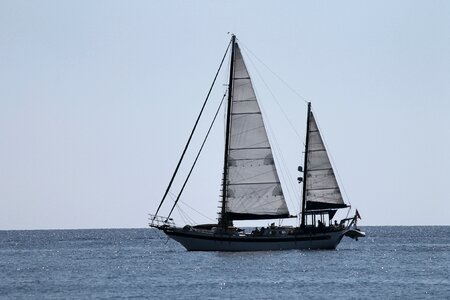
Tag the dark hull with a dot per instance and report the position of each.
(209, 241)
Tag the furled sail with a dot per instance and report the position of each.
(253, 187)
(322, 189)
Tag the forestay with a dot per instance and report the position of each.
(253, 187)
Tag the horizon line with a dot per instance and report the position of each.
(121, 228)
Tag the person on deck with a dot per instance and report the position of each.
(320, 224)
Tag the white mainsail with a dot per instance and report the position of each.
(253, 187)
(322, 189)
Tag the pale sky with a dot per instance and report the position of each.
(97, 99)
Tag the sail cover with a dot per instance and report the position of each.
(253, 186)
(322, 189)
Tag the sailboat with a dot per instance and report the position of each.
(251, 187)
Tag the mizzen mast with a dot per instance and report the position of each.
(305, 168)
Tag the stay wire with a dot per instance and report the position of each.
(196, 158)
(183, 216)
(180, 213)
(304, 99)
(275, 74)
(334, 164)
(192, 133)
(285, 174)
(290, 186)
(283, 166)
(270, 91)
(205, 216)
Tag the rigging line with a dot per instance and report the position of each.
(287, 178)
(180, 212)
(185, 216)
(242, 201)
(190, 220)
(283, 163)
(290, 184)
(172, 196)
(278, 154)
(333, 163)
(275, 98)
(258, 206)
(198, 154)
(184, 203)
(283, 167)
(275, 74)
(192, 133)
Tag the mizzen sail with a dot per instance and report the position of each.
(253, 189)
(322, 189)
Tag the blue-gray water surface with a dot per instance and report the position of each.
(391, 262)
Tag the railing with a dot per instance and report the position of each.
(160, 221)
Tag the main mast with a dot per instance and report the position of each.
(305, 167)
(223, 221)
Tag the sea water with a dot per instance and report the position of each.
(391, 262)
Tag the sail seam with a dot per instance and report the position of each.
(325, 169)
(254, 148)
(246, 113)
(317, 150)
(250, 159)
(261, 206)
(254, 183)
